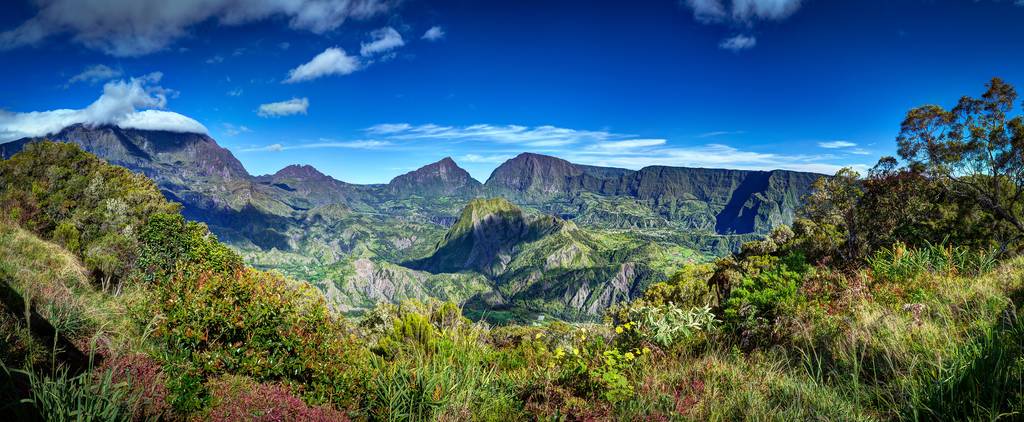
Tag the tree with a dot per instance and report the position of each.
(977, 148)
(829, 216)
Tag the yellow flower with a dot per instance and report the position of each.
(575, 351)
(629, 356)
(618, 330)
(646, 350)
(538, 336)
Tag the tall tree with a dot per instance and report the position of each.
(977, 147)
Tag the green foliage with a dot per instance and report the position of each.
(900, 264)
(411, 330)
(768, 289)
(65, 194)
(255, 324)
(665, 325)
(168, 241)
(88, 396)
(983, 380)
(977, 149)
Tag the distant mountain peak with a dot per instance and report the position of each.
(300, 172)
(443, 177)
(486, 236)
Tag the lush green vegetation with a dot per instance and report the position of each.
(894, 296)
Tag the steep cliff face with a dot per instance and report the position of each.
(443, 178)
(710, 200)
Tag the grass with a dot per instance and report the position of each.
(921, 334)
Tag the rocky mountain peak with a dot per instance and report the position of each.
(300, 172)
(443, 177)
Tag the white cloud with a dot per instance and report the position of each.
(215, 59)
(94, 74)
(333, 61)
(836, 144)
(237, 92)
(284, 108)
(720, 133)
(738, 43)
(490, 158)
(232, 130)
(132, 104)
(740, 13)
(388, 128)
(704, 156)
(383, 39)
(538, 136)
(496, 143)
(435, 33)
(322, 143)
(719, 11)
(618, 146)
(129, 28)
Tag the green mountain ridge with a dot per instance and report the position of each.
(559, 237)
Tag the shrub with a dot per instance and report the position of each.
(237, 398)
(769, 287)
(167, 241)
(147, 383)
(665, 325)
(255, 324)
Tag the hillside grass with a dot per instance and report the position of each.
(940, 342)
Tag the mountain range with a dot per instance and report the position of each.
(541, 236)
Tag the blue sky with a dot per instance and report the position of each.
(360, 90)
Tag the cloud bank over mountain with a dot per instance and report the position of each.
(137, 103)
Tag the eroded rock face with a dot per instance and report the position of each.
(714, 200)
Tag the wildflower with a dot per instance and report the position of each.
(629, 356)
(538, 336)
(618, 330)
(647, 350)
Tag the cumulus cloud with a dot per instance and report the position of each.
(836, 144)
(94, 74)
(382, 40)
(436, 33)
(738, 43)
(333, 61)
(132, 104)
(740, 13)
(128, 28)
(284, 108)
(719, 11)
